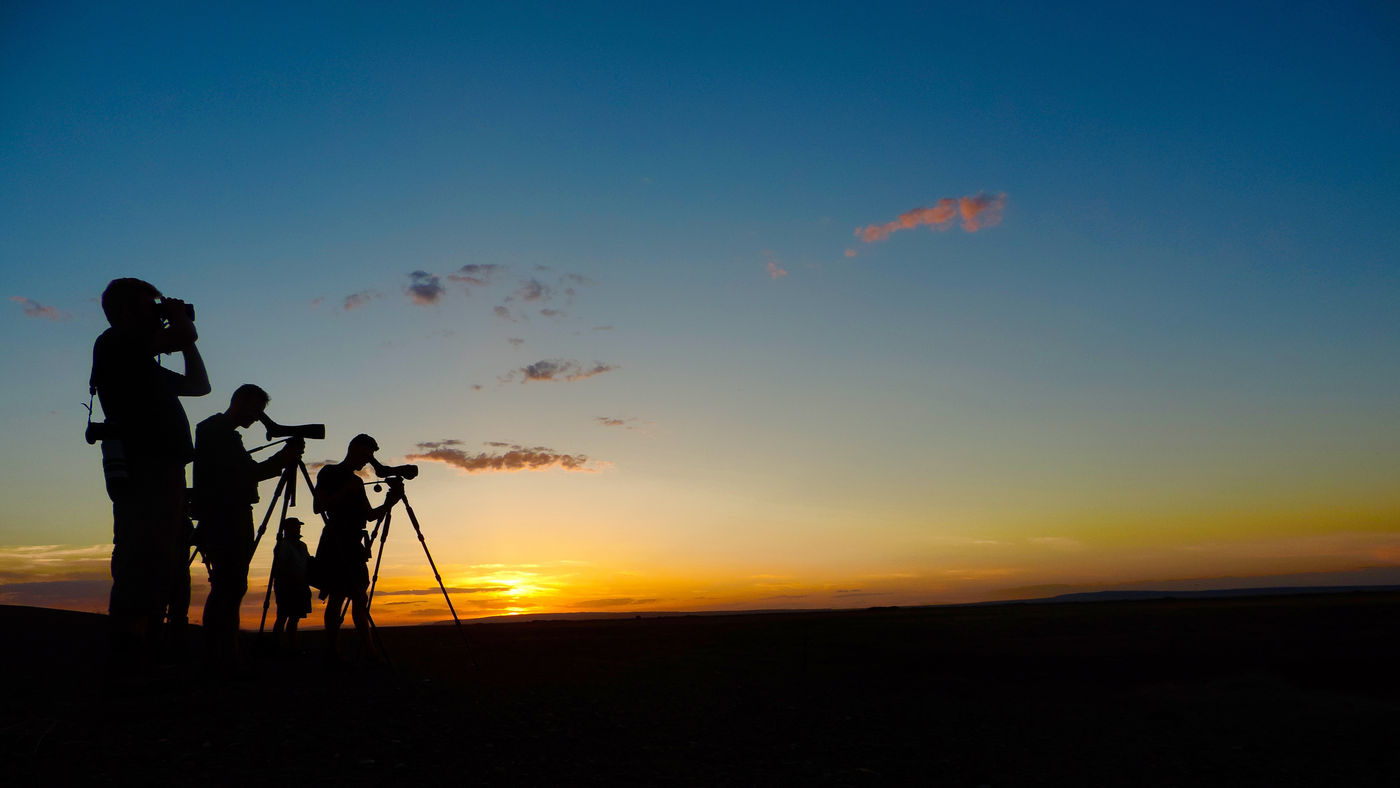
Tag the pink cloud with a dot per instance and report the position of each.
(37, 310)
(977, 212)
(980, 211)
(514, 458)
(776, 271)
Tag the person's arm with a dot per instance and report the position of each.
(196, 378)
(395, 495)
(287, 455)
(180, 337)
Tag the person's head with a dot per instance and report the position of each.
(247, 404)
(130, 302)
(361, 450)
(291, 528)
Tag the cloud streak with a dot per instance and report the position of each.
(977, 212)
(557, 369)
(513, 459)
(479, 274)
(40, 311)
(357, 300)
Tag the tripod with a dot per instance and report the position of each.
(382, 529)
(287, 490)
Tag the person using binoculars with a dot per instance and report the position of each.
(146, 445)
(343, 550)
(225, 488)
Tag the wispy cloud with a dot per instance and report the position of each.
(630, 423)
(1058, 543)
(776, 271)
(54, 562)
(981, 211)
(616, 601)
(512, 459)
(533, 289)
(434, 591)
(35, 309)
(479, 274)
(502, 313)
(424, 288)
(357, 300)
(515, 341)
(553, 370)
(977, 212)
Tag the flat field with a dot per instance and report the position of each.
(1297, 690)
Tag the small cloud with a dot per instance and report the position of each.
(424, 288)
(610, 422)
(533, 290)
(552, 370)
(479, 274)
(37, 310)
(551, 313)
(502, 313)
(357, 300)
(445, 442)
(851, 253)
(977, 212)
(515, 458)
(602, 328)
(776, 271)
(316, 302)
(477, 387)
(515, 341)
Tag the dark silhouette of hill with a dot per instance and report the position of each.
(1273, 690)
(1214, 593)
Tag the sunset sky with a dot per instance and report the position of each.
(735, 306)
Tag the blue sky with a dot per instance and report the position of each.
(1184, 323)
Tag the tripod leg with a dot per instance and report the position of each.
(291, 478)
(413, 518)
(374, 633)
(383, 537)
(271, 505)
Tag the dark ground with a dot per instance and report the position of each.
(1258, 691)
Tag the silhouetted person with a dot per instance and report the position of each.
(146, 424)
(225, 488)
(290, 565)
(344, 546)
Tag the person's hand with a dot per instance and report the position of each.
(181, 327)
(297, 447)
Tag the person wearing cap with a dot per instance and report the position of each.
(225, 488)
(290, 571)
(343, 550)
